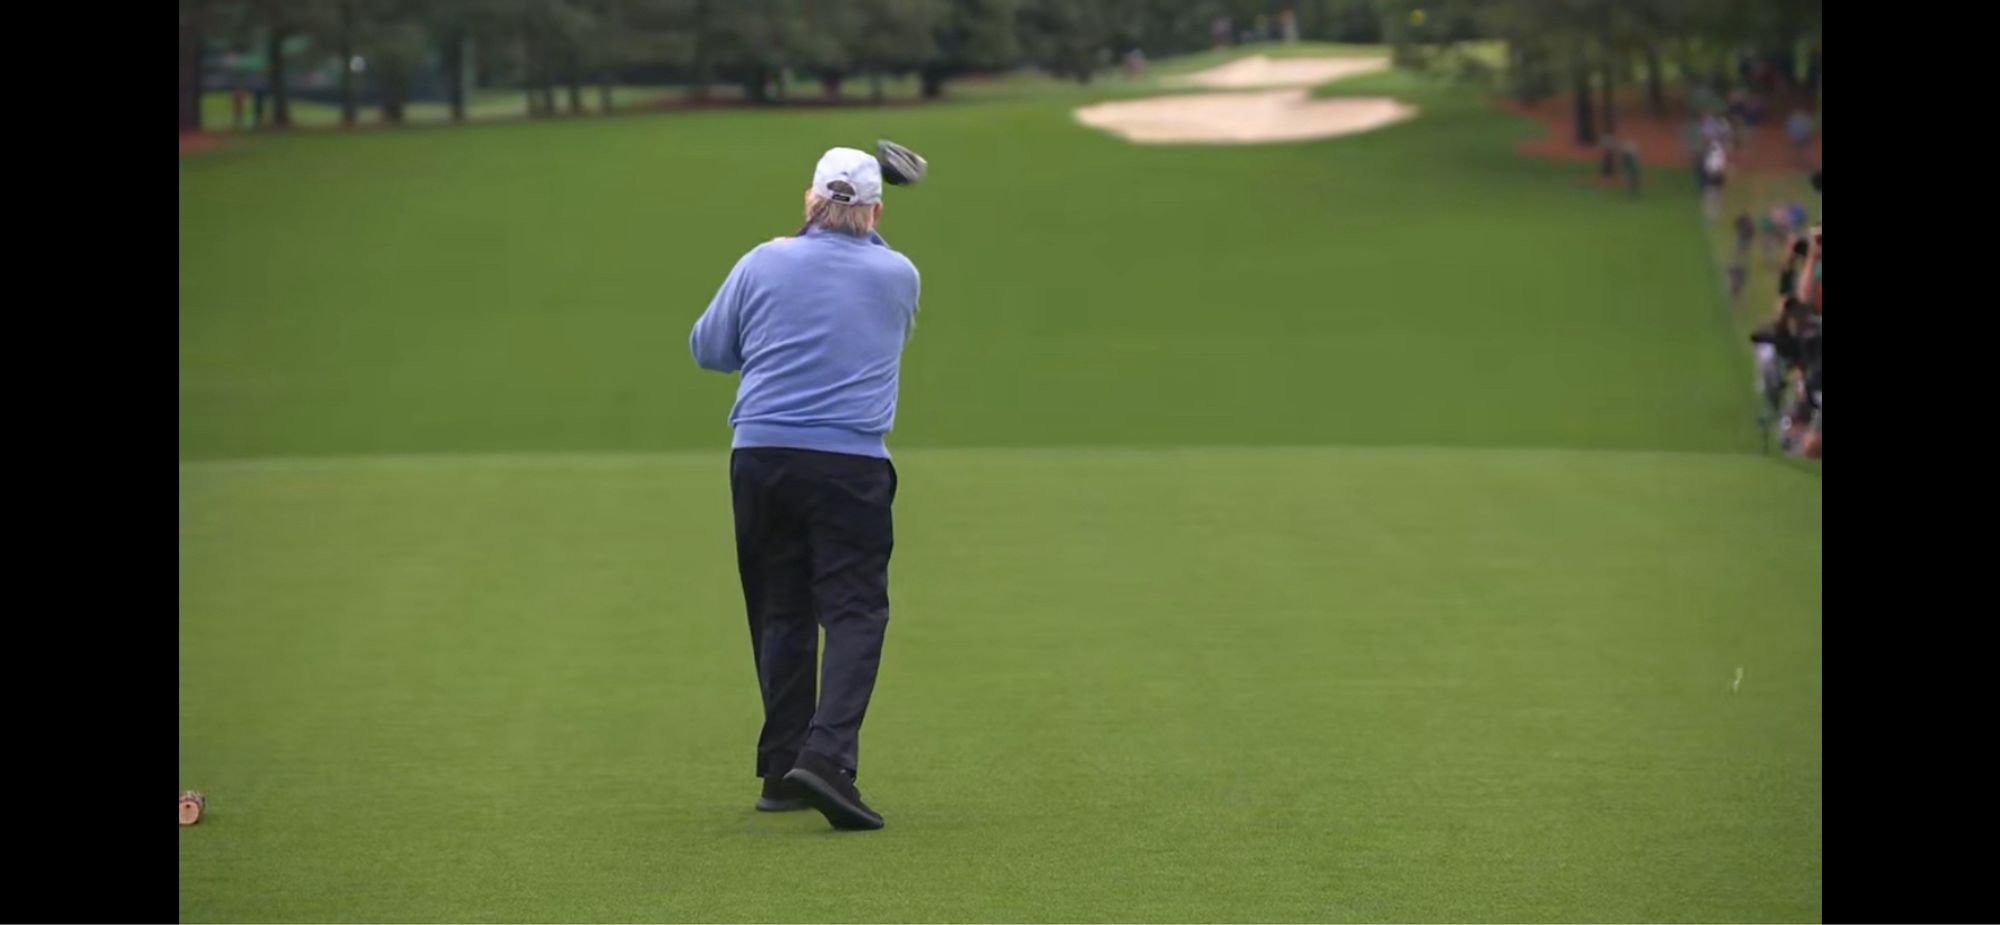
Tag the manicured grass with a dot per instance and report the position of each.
(1187, 626)
(529, 286)
(1213, 685)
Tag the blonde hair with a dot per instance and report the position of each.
(849, 218)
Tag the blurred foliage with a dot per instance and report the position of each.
(432, 49)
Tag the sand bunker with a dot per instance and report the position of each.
(1241, 118)
(1263, 71)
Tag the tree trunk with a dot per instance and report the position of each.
(392, 104)
(1521, 69)
(1610, 92)
(1517, 72)
(572, 78)
(193, 33)
(829, 84)
(1689, 67)
(395, 77)
(1531, 76)
(1534, 73)
(875, 88)
(699, 66)
(933, 82)
(1656, 97)
(529, 99)
(535, 73)
(274, 74)
(1586, 128)
(698, 61)
(349, 106)
(454, 75)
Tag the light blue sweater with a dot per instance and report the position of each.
(816, 324)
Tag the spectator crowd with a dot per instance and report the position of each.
(1788, 345)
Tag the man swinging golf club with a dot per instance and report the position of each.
(816, 323)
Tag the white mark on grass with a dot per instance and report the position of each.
(1733, 685)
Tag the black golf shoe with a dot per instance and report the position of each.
(781, 796)
(830, 789)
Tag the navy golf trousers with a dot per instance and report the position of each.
(813, 537)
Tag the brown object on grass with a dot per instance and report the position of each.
(192, 803)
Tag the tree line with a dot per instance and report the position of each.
(557, 50)
(1590, 50)
(387, 52)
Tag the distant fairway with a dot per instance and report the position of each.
(1360, 529)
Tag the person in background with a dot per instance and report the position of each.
(1746, 230)
(1135, 63)
(1800, 277)
(1715, 129)
(1809, 274)
(1771, 229)
(1715, 172)
(1738, 117)
(1798, 128)
(236, 108)
(1629, 157)
(1691, 143)
(1788, 364)
(1788, 273)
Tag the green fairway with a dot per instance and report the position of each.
(1366, 529)
(1245, 685)
(529, 287)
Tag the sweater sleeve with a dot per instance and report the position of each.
(716, 341)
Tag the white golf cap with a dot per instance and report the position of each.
(858, 168)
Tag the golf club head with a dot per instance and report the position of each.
(900, 166)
